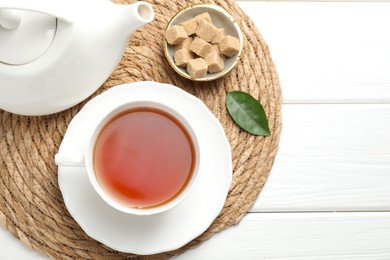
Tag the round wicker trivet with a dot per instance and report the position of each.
(31, 205)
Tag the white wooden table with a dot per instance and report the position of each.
(328, 195)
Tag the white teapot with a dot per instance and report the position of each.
(55, 53)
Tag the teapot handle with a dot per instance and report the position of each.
(50, 7)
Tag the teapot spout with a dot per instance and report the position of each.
(136, 15)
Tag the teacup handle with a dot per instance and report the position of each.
(74, 160)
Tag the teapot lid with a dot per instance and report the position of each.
(25, 35)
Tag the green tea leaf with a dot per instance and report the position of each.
(247, 112)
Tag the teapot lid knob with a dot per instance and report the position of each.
(24, 35)
(9, 19)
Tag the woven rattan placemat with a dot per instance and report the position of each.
(31, 205)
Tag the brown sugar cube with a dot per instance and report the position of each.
(176, 34)
(184, 44)
(204, 16)
(200, 47)
(197, 68)
(190, 26)
(229, 45)
(218, 36)
(215, 48)
(182, 57)
(215, 62)
(206, 30)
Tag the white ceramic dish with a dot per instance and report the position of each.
(161, 232)
(221, 19)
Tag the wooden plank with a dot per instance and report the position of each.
(12, 248)
(327, 52)
(297, 1)
(292, 236)
(331, 158)
(303, 236)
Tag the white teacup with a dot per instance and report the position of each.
(86, 159)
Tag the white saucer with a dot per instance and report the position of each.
(157, 233)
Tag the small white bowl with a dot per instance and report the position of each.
(221, 19)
